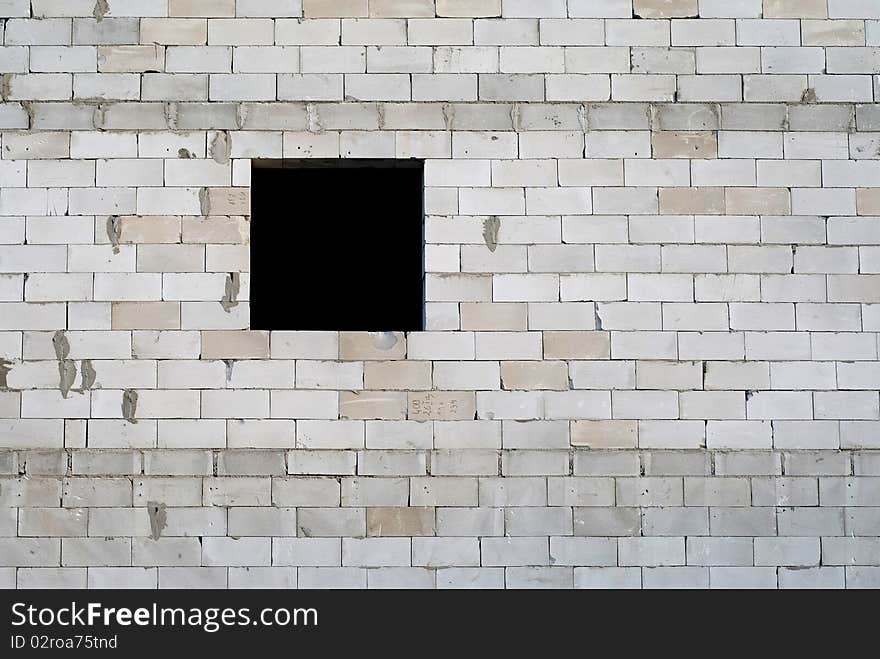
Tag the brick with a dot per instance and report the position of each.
(334, 9)
(400, 521)
(201, 8)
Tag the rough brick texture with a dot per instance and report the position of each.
(653, 296)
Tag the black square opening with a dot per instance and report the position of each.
(337, 245)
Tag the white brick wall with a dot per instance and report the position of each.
(653, 296)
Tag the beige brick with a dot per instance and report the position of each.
(692, 201)
(469, 8)
(397, 375)
(401, 8)
(832, 33)
(202, 8)
(234, 230)
(605, 434)
(498, 316)
(356, 346)
(145, 315)
(149, 229)
(868, 201)
(577, 345)
(121, 59)
(795, 8)
(757, 201)
(229, 201)
(234, 344)
(335, 8)
(442, 405)
(399, 521)
(372, 405)
(174, 31)
(664, 8)
(534, 375)
(697, 145)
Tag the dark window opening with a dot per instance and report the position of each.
(337, 245)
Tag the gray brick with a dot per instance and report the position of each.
(607, 577)
(608, 116)
(45, 463)
(375, 552)
(748, 116)
(716, 492)
(649, 492)
(811, 521)
(720, 551)
(867, 117)
(742, 577)
(305, 492)
(250, 463)
(514, 551)
(539, 577)
(443, 491)
(815, 577)
(262, 521)
(852, 491)
(684, 116)
(106, 31)
(821, 117)
(51, 522)
(862, 577)
(650, 552)
(526, 491)
(785, 492)
(577, 491)
(675, 577)
(866, 464)
(52, 577)
(470, 521)
(810, 463)
(192, 577)
(748, 463)
(470, 578)
(400, 577)
(455, 462)
(677, 463)
(331, 577)
(741, 521)
(445, 552)
(675, 521)
(30, 552)
(262, 577)
(606, 463)
(375, 491)
(538, 521)
(314, 552)
(96, 551)
(606, 521)
(862, 521)
(165, 551)
(322, 522)
(850, 551)
(797, 552)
